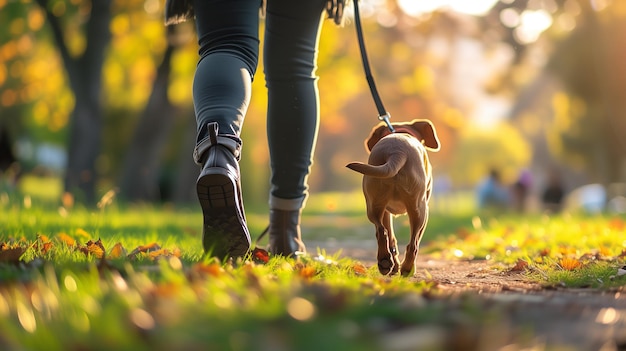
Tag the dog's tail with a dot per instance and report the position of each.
(386, 170)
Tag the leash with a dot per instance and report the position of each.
(383, 115)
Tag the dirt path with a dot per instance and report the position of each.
(556, 318)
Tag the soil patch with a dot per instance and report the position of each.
(545, 317)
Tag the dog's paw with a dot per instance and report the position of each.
(407, 271)
(386, 266)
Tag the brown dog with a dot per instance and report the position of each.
(398, 180)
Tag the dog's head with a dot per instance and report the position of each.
(421, 129)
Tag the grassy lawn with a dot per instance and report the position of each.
(124, 277)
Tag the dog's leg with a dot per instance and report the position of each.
(393, 242)
(418, 220)
(376, 215)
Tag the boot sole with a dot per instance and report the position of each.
(225, 233)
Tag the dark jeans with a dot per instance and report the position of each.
(228, 35)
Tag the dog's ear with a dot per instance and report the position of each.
(427, 130)
(380, 131)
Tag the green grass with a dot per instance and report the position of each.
(54, 296)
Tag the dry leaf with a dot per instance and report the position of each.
(307, 272)
(144, 249)
(42, 244)
(68, 240)
(162, 253)
(93, 248)
(520, 266)
(117, 251)
(359, 269)
(212, 269)
(569, 264)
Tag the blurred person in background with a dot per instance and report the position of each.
(553, 193)
(492, 194)
(521, 190)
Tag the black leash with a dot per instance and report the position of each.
(383, 115)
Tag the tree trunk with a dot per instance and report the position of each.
(141, 170)
(183, 191)
(85, 77)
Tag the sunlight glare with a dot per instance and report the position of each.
(26, 317)
(607, 316)
(420, 7)
(70, 283)
(532, 24)
(300, 309)
(4, 306)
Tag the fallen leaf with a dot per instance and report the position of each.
(42, 244)
(213, 269)
(68, 240)
(161, 253)
(93, 248)
(520, 266)
(569, 264)
(359, 269)
(117, 251)
(307, 272)
(143, 249)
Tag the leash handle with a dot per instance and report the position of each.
(383, 115)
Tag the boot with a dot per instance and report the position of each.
(224, 232)
(285, 238)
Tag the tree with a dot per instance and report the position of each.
(589, 119)
(84, 72)
(141, 168)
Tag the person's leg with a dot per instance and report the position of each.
(290, 57)
(228, 39)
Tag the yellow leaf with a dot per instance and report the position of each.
(569, 264)
(68, 240)
(94, 248)
(307, 272)
(212, 269)
(117, 251)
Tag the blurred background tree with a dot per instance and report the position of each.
(517, 83)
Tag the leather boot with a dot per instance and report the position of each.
(224, 232)
(285, 238)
